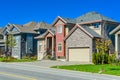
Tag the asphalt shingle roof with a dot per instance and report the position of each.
(69, 20)
(42, 25)
(90, 16)
(115, 30)
(90, 31)
(1, 29)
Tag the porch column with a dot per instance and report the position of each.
(53, 47)
(116, 44)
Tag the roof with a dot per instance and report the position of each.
(42, 25)
(93, 16)
(115, 30)
(88, 17)
(1, 29)
(69, 20)
(86, 29)
(26, 28)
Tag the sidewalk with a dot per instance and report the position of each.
(49, 63)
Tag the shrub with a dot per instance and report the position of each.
(8, 59)
(97, 58)
(34, 57)
(112, 58)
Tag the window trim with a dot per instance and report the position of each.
(59, 45)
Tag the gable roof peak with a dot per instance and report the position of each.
(31, 23)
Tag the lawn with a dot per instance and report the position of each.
(111, 69)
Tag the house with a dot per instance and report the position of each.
(24, 37)
(116, 32)
(75, 38)
(46, 41)
(2, 46)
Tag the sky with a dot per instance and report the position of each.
(23, 11)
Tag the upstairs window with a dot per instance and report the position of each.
(59, 47)
(96, 25)
(59, 29)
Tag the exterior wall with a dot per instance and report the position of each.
(79, 39)
(40, 49)
(68, 28)
(60, 38)
(118, 44)
(108, 27)
(97, 30)
(16, 51)
(23, 44)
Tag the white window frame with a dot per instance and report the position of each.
(60, 29)
(58, 47)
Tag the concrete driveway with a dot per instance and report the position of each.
(49, 63)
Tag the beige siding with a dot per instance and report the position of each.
(97, 30)
(66, 30)
(79, 54)
(59, 23)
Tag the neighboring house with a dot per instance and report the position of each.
(2, 45)
(75, 38)
(116, 32)
(46, 41)
(24, 37)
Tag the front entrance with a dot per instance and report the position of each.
(49, 45)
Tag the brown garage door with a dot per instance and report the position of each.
(79, 54)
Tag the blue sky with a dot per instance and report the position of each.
(23, 11)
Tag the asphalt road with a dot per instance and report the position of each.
(15, 71)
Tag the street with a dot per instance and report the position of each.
(16, 71)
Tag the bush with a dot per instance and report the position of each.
(34, 57)
(8, 59)
(112, 58)
(97, 58)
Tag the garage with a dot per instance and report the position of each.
(79, 54)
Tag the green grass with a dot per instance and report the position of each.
(108, 68)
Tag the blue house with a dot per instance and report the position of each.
(24, 37)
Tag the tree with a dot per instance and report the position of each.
(102, 45)
(10, 42)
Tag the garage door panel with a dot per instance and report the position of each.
(79, 54)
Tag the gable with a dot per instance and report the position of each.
(79, 38)
(78, 34)
(49, 35)
(14, 29)
(59, 22)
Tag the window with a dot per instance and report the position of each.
(96, 25)
(59, 29)
(59, 47)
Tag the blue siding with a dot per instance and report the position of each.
(16, 51)
(29, 42)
